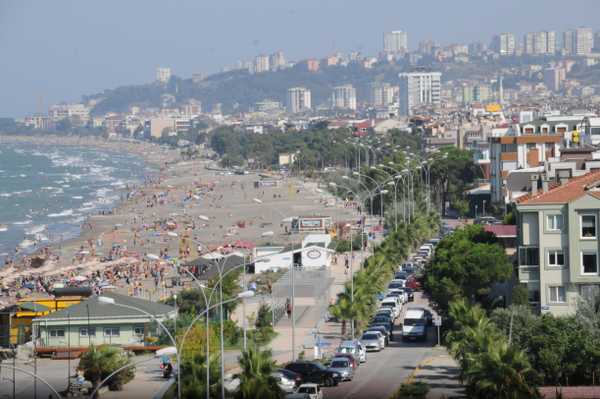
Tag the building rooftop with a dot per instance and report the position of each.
(563, 194)
(92, 307)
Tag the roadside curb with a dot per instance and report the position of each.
(164, 388)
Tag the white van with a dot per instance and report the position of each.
(426, 250)
(393, 303)
(414, 325)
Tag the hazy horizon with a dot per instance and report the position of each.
(55, 51)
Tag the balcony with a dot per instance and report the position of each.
(529, 274)
(529, 256)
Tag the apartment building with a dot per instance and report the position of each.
(343, 97)
(505, 44)
(261, 64)
(522, 146)
(163, 75)
(558, 243)
(419, 88)
(395, 42)
(298, 99)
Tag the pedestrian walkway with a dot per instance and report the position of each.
(441, 373)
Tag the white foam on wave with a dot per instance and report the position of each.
(68, 212)
(24, 222)
(35, 229)
(26, 243)
(78, 197)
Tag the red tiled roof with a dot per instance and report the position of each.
(573, 189)
(589, 392)
(501, 230)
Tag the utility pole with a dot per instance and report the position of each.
(294, 308)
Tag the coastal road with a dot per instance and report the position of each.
(384, 371)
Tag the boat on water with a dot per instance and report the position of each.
(3, 227)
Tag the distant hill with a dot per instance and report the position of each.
(238, 90)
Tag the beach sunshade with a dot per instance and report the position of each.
(257, 200)
(172, 234)
(84, 252)
(203, 217)
(267, 234)
(152, 256)
(80, 278)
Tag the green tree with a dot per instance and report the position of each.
(99, 362)
(466, 264)
(256, 380)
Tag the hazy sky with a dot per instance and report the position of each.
(57, 50)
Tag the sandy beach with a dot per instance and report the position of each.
(184, 211)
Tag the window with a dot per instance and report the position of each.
(112, 332)
(138, 331)
(589, 263)
(83, 331)
(588, 226)
(57, 333)
(529, 256)
(589, 292)
(554, 222)
(557, 294)
(556, 257)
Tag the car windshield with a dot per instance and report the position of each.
(307, 390)
(369, 337)
(339, 364)
(414, 322)
(387, 305)
(395, 285)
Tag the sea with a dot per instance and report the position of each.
(47, 191)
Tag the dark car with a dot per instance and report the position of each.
(386, 326)
(401, 275)
(392, 286)
(315, 373)
(383, 319)
(410, 294)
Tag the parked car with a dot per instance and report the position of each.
(385, 312)
(313, 391)
(355, 348)
(427, 313)
(410, 294)
(386, 333)
(383, 319)
(397, 293)
(371, 341)
(353, 361)
(392, 304)
(382, 338)
(413, 283)
(315, 373)
(287, 380)
(342, 365)
(401, 275)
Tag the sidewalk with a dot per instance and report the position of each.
(441, 372)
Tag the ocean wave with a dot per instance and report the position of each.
(26, 243)
(68, 212)
(35, 229)
(24, 222)
(78, 197)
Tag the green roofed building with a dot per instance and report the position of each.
(95, 322)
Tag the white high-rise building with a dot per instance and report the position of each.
(383, 94)
(395, 42)
(569, 42)
(298, 100)
(584, 41)
(163, 75)
(277, 60)
(261, 64)
(344, 97)
(540, 43)
(505, 44)
(419, 88)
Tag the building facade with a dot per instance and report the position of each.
(163, 75)
(395, 42)
(298, 100)
(344, 97)
(419, 88)
(505, 44)
(558, 244)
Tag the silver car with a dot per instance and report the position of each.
(371, 341)
(342, 366)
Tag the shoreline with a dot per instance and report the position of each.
(152, 154)
(155, 158)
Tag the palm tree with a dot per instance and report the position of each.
(256, 380)
(500, 371)
(343, 310)
(98, 363)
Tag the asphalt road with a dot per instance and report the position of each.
(384, 371)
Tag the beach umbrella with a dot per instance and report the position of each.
(84, 252)
(203, 217)
(79, 278)
(257, 200)
(267, 234)
(152, 256)
(172, 234)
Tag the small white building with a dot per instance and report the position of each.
(314, 253)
